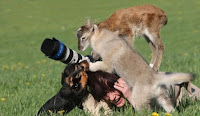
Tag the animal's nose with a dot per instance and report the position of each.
(80, 48)
(82, 67)
(76, 85)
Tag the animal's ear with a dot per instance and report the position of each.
(68, 80)
(95, 21)
(87, 23)
(62, 79)
(95, 28)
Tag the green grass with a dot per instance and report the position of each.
(28, 78)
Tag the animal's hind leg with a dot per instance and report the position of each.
(165, 101)
(130, 40)
(95, 56)
(157, 47)
(161, 49)
(153, 49)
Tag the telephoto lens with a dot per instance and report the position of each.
(56, 50)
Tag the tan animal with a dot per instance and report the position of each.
(144, 20)
(120, 58)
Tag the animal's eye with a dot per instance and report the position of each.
(83, 38)
(80, 67)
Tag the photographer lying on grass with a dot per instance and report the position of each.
(114, 89)
(104, 85)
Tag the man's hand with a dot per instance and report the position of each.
(126, 90)
(122, 86)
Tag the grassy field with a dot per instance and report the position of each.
(28, 78)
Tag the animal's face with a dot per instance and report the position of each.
(75, 76)
(83, 34)
(83, 38)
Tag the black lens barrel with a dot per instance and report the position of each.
(56, 50)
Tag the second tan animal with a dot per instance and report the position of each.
(143, 20)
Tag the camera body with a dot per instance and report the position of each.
(56, 50)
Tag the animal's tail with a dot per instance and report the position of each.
(174, 78)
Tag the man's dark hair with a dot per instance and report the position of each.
(100, 83)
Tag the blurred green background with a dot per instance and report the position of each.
(28, 78)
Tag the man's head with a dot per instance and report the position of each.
(102, 87)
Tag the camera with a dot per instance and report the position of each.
(56, 50)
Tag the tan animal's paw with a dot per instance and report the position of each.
(92, 67)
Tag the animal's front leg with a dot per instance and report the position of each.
(140, 101)
(95, 55)
(99, 65)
